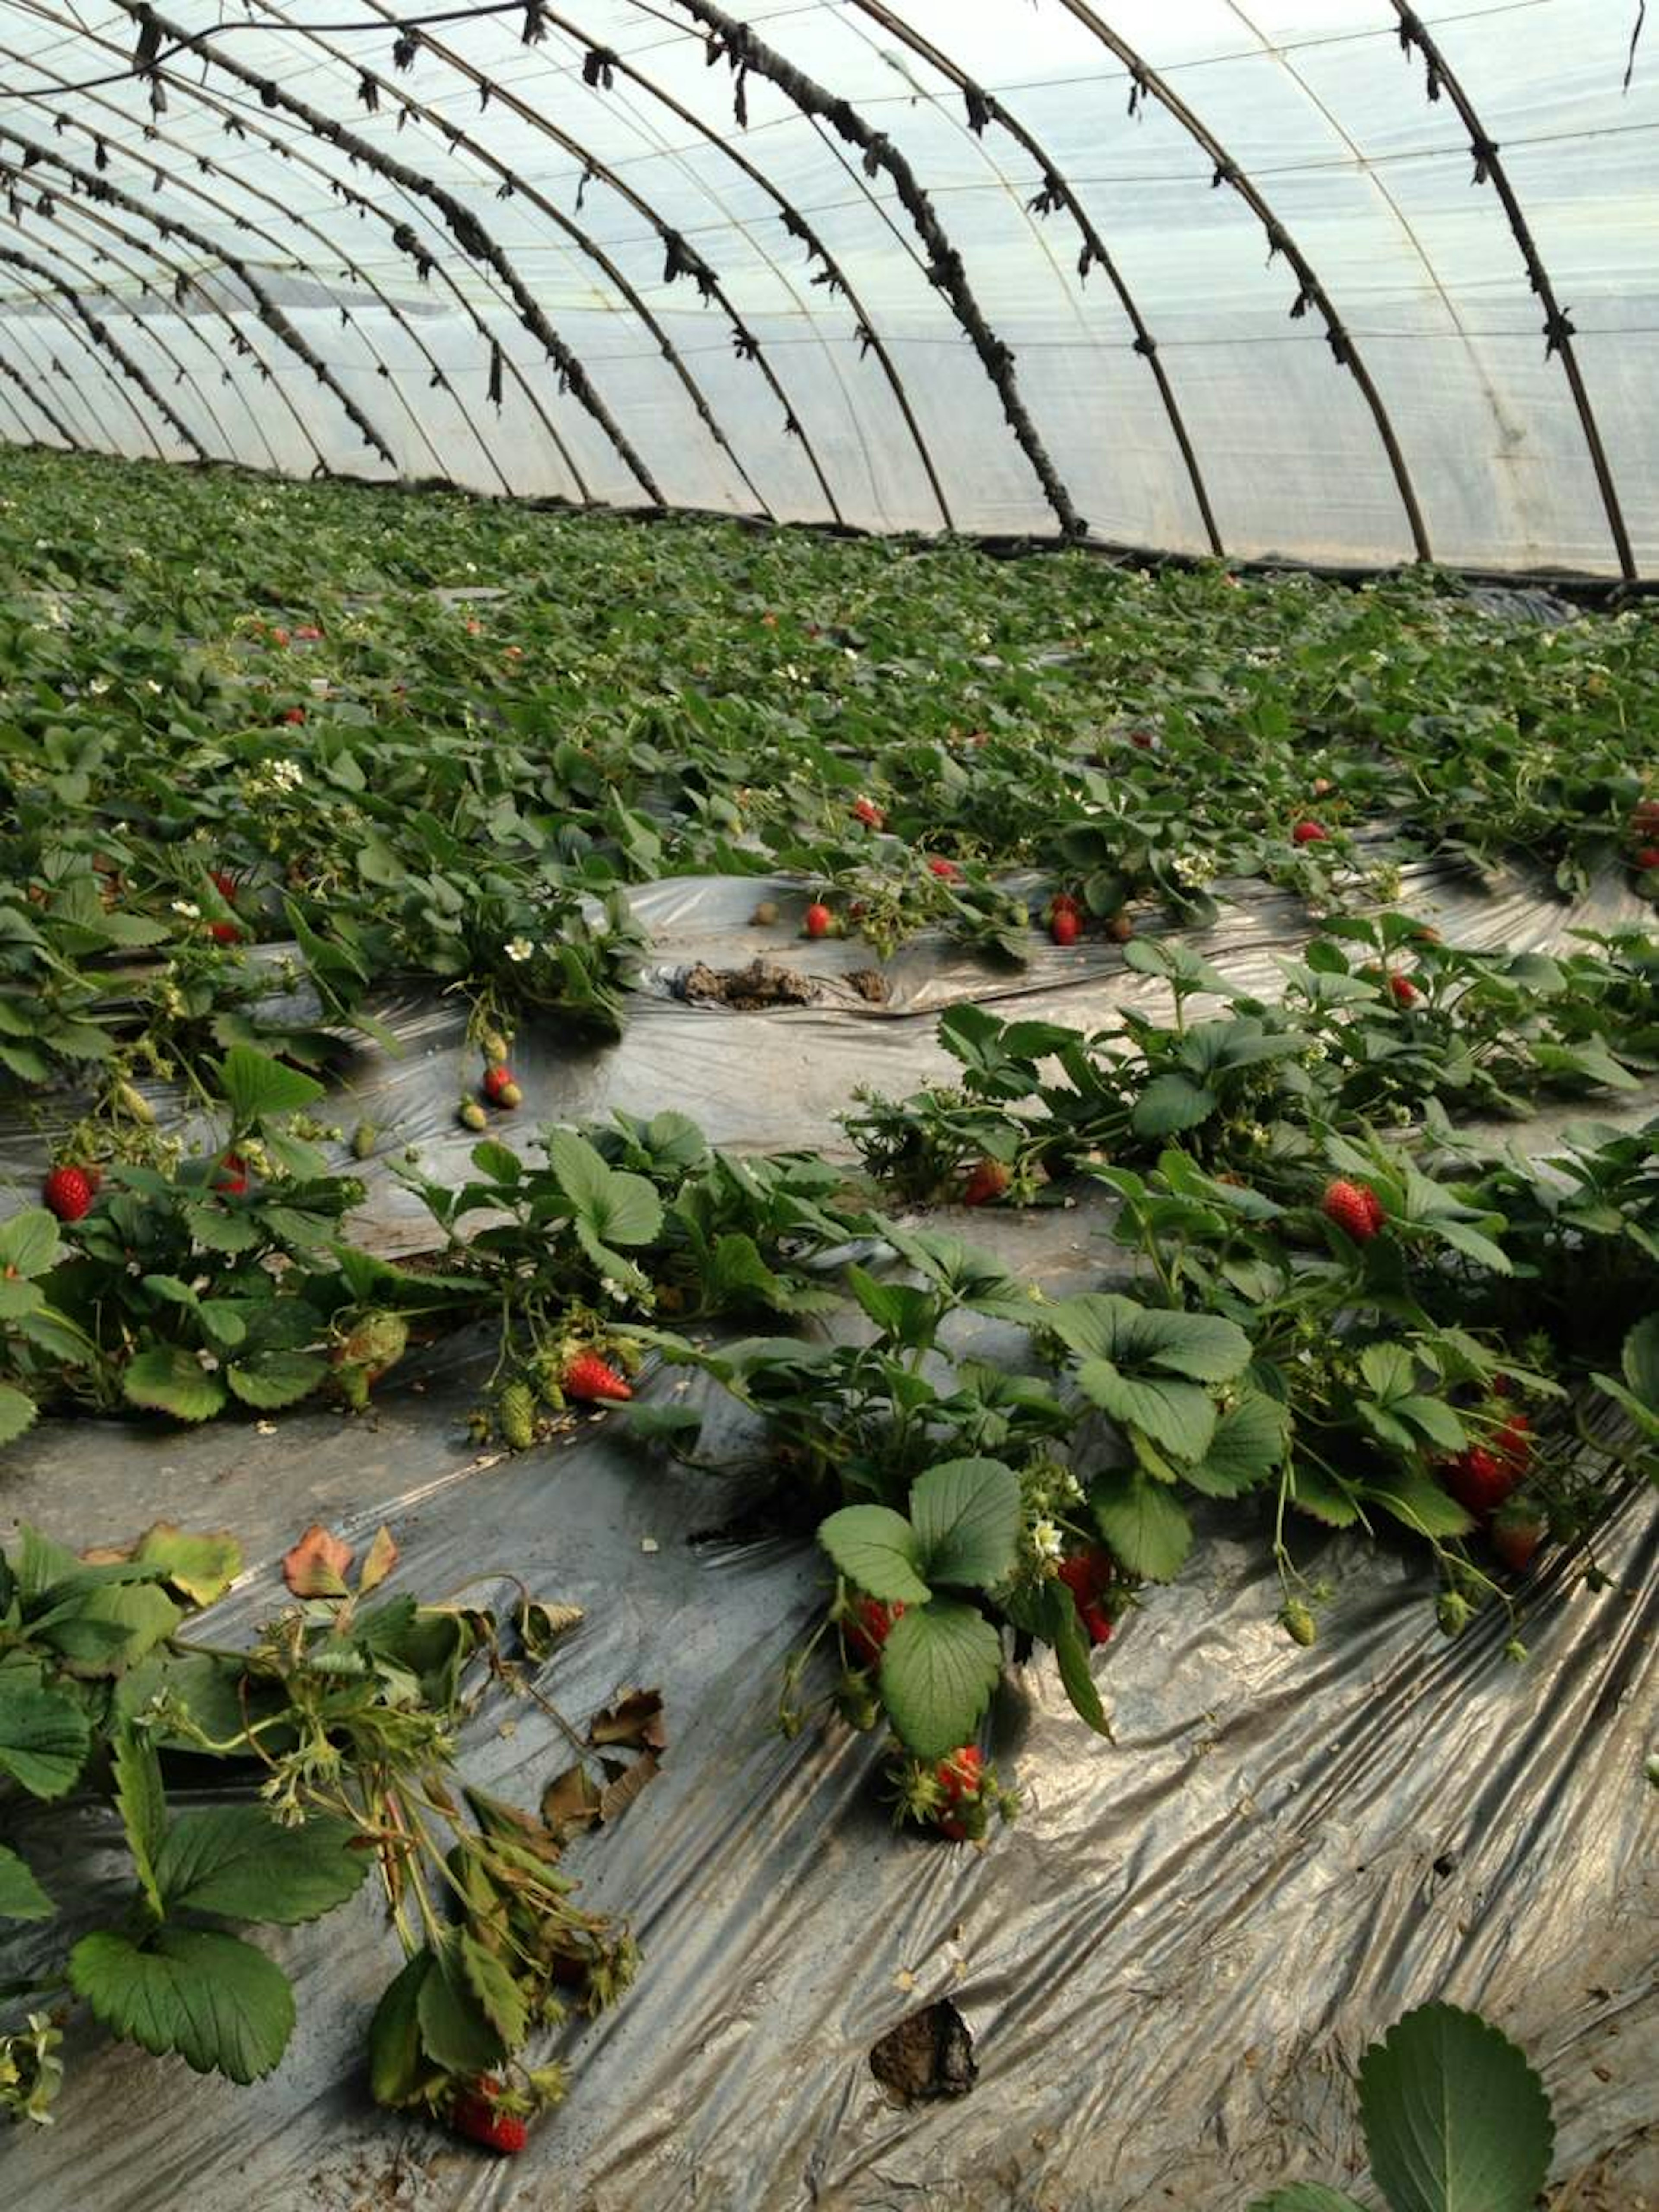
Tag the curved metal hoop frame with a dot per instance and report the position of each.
(63, 218)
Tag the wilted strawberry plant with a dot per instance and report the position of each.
(335, 1735)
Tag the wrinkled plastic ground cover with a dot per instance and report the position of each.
(1162, 1964)
(1282, 1848)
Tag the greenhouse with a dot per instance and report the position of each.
(828, 1080)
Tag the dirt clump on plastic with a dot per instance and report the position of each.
(929, 2055)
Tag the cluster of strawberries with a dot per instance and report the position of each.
(1485, 1480)
(497, 1086)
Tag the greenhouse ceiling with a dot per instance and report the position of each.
(1340, 281)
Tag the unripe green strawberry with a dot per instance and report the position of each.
(515, 1412)
(471, 1115)
(134, 1104)
(364, 1137)
(1453, 1613)
(1298, 1623)
(857, 1702)
(494, 1047)
(765, 914)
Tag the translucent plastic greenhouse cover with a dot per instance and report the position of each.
(1337, 280)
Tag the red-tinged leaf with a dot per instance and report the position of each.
(316, 1566)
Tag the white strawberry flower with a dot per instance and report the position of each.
(185, 907)
(1046, 1540)
(519, 948)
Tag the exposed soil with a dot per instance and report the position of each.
(929, 2055)
(763, 984)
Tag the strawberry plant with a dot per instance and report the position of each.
(335, 1735)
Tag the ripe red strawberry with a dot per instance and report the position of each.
(818, 921)
(1065, 927)
(867, 1630)
(960, 1775)
(1120, 929)
(1405, 992)
(1513, 1441)
(308, 633)
(224, 933)
(1143, 740)
(1647, 856)
(232, 1177)
(499, 1088)
(588, 1376)
(1644, 816)
(868, 811)
(1065, 903)
(69, 1192)
(1089, 1575)
(1309, 832)
(476, 2115)
(279, 637)
(946, 871)
(294, 713)
(1354, 1207)
(987, 1180)
(1517, 1533)
(1480, 1480)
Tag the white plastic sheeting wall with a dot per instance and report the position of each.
(1437, 421)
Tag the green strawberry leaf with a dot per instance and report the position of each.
(21, 1897)
(111, 1627)
(237, 1862)
(18, 1414)
(618, 1208)
(253, 1085)
(44, 1734)
(1249, 1442)
(167, 1379)
(1170, 1103)
(501, 2001)
(397, 2069)
(1320, 1495)
(1145, 1525)
(966, 1513)
(222, 2005)
(456, 2032)
(938, 1667)
(29, 1242)
(1415, 1498)
(1455, 2119)
(1180, 1416)
(274, 1379)
(879, 1549)
(1063, 1631)
(141, 1800)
